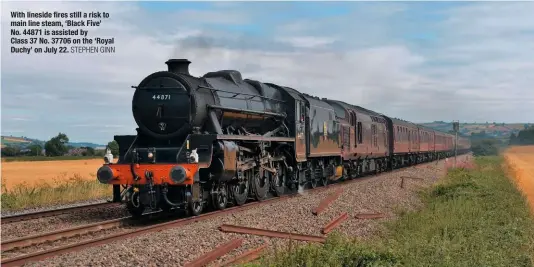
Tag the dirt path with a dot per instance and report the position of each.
(521, 161)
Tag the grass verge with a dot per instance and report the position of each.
(472, 218)
(60, 191)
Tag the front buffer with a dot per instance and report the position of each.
(156, 185)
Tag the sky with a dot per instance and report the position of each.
(419, 61)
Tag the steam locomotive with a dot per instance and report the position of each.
(221, 139)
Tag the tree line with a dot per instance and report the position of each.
(485, 145)
(482, 144)
(57, 146)
(524, 137)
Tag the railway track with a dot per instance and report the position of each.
(40, 255)
(66, 233)
(82, 230)
(52, 236)
(55, 212)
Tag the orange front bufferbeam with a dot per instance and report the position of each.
(122, 173)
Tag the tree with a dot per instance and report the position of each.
(513, 139)
(35, 149)
(57, 146)
(89, 151)
(114, 147)
(10, 151)
(524, 137)
(485, 147)
(99, 153)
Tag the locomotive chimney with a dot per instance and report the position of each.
(178, 66)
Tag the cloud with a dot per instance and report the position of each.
(308, 41)
(19, 119)
(473, 63)
(486, 52)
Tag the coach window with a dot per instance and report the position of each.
(360, 132)
(374, 137)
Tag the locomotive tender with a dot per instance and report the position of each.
(220, 138)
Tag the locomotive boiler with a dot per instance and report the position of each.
(170, 104)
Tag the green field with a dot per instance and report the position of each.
(472, 218)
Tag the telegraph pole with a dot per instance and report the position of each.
(456, 128)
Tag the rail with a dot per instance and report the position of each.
(326, 202)
(248, 256)
(41, 255)
(334, 223)
(57, 235)
(263, 232)
(50, 213)
(215, 253)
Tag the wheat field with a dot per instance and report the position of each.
(52, 172)
(520, 160)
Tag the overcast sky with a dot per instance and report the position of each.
(419, 61)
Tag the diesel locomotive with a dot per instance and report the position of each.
(220, 139)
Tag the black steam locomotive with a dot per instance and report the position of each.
(220, 138)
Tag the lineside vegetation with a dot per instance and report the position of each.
(472, 218)
(59, 191)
